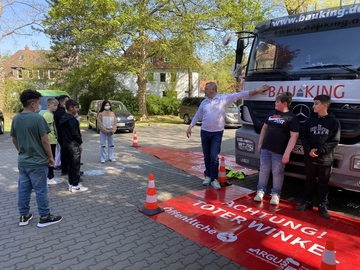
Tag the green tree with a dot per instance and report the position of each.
(94, 38)
(99, 35)
(16, 17)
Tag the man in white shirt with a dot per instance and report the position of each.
(212, 113)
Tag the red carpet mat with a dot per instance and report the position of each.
(259, 235)
(255, 235)
(191, 162)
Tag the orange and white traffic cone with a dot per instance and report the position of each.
(135, 141)
(328, 260)
(151, 205)
(222, 174)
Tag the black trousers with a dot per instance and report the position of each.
(321, 175)
(72, 154)
(51, 169)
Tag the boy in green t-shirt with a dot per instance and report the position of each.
(29, 132)
(52, 104)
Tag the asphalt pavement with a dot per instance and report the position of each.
(102, 228)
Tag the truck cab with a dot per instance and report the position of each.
(307, 54)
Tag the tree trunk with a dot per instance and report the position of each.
(141, 82)
(190, 82)
(2, 84)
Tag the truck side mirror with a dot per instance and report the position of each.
(239, 51)
(238, 59)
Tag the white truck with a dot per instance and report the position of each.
(307, 54)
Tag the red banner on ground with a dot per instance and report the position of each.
(260, 235)
(191, 162)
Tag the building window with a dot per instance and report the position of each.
(30, 74)
(21, 57)
(40, 74)
(20, 73)
(51, 74)
(165, 60)
(150, 76)
(162, 77)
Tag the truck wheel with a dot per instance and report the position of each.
(97, 128)
(186, 119)
(2, 127)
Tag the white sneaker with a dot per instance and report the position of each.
(70, 188)
(112, 159)
(275, 199)
(259, 196)
(102, 161)
(51, 181)
(206, 181)
(58, 180)
(79, 188)
(216, 184)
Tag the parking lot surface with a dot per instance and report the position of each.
(102, 228)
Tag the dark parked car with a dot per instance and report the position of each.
(2, 123)
(125, 120)
(189, 106)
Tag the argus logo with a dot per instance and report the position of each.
(285, 264)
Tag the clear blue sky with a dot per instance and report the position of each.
(13, 43)
(16, 14)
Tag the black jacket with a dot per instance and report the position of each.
(57, 116)
(322, 133)
(70, 131)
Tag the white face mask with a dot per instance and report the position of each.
(107, 108)
(38, 109)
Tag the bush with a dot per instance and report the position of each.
(129, 100)
(155, 105)
(162, 106)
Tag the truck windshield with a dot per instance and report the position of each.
(309, 53)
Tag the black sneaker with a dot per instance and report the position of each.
(49, 220)
(323, 211)
(304, 206)
(24, 220)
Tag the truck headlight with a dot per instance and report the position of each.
(245, 145)
(355, 163)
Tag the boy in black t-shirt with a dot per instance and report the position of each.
(277, 139)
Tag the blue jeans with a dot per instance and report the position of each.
(211, 146)
(110, 144)
(271, 162)
(33, 178)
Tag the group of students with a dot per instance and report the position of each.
(61, 117)
(36, 149)
(319, 136)
(35, 137)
